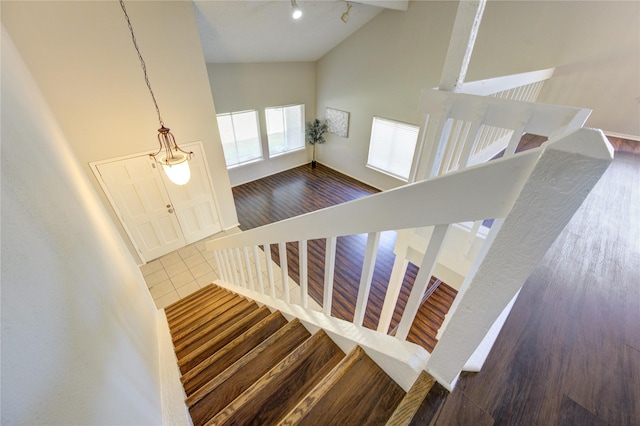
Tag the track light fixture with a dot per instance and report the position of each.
(345, 15)
(174, 160)
(296, 12)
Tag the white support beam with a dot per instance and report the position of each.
(463, 37)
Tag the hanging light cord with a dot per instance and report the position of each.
(142, 64)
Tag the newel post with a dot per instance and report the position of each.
(564, 175)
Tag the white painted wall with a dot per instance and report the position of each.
(241, 87)
(379, 71)
(83, 60)
(594, 45)
(78, 325)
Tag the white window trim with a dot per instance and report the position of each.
(300, 148)
(261, 150)
(377, 167)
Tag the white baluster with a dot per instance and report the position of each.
(245, 252)
(282, 252)
(302, 251)
(422, 280)
(272, 284)
(243, 280)
(329, 269)
(221, 275)
(368, 266)
(256, 259)
(234, 269)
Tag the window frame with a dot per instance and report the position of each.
(231, 114)
(300, 147)
(400, 125)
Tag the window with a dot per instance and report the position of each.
(391, 147)
(240, 136)
(285, 128)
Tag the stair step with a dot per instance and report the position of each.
(408, 407)
(240, 346)
(215, 340)
(215, 395)
(216, 325)
(355, 392)
(195, 303)
(175, 307)
(278, 391)
(210, 316)
(203, 311)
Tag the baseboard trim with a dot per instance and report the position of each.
(623, 136)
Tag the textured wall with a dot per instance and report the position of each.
(78, 326)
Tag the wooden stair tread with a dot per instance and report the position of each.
(225, 387)
(217, 339)
(279, 390)
(408, 407)
(202, 314)
(214, 327)
(242, 364)
(355, 392)
(176, 308)
(240, 346)
(209, 317)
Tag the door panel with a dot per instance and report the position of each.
(138, 192)
(194, 202)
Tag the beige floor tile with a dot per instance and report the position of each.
(188, 251)
(200, 245)
(156, 278)
(182, 279)
(166, 300)
(207, 279)
(194, 260)
(187, 289)
(208, 254)
(161, 289)
(170, 259)
(176, 269)
(151, 267)
(201, 269)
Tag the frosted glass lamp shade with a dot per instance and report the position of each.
(177, 169)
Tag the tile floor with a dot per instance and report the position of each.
(178, 274)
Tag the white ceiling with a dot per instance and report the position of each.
(236, 31)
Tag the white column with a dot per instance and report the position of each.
(557, 186)
(463, 37)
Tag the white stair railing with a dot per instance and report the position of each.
(453, 126)
(532, 185)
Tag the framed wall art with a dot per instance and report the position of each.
(338, 122)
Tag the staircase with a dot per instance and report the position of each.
(243, 364)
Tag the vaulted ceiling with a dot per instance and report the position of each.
(246, 31)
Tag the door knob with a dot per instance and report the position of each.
(170, 210)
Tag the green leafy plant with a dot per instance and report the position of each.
(314, 134)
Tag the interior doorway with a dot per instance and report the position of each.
(158, 215)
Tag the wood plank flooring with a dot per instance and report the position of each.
(569, 353)
(302, 190)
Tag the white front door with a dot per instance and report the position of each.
(194, 202)
(136, 187)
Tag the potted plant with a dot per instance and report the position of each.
(314, 134)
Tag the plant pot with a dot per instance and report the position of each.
(314, 164)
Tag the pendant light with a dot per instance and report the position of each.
(174, 160)
(296, 12)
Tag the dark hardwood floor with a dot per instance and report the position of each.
(302, 190)
(569, 353)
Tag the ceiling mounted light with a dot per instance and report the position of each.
(345, 15)
(173, 159)
(296, 12)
